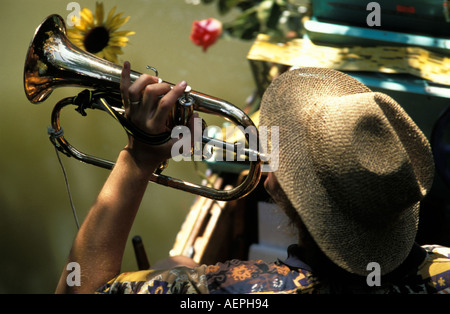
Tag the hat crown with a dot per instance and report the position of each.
(359, 159)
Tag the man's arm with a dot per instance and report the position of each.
(100, 243)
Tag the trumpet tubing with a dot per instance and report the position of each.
(52, 61)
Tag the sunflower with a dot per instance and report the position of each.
(100, 37)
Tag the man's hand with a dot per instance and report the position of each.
(148, 105)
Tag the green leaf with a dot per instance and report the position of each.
(246, 26)
(259, 16)
(225, 6)
(274, 17)
(269, 13)
(247, 4)
(263, 10)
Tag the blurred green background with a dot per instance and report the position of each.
(36, 222)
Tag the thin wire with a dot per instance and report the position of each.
(68, 189)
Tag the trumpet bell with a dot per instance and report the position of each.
(53, 61)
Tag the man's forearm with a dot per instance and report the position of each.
(100, 243)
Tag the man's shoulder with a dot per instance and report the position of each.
(256, 276)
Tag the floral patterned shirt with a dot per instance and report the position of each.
(430, 275)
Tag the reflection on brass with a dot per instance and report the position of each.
(53, 61)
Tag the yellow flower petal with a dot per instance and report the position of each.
(110, 15)
(99, 12)
(117, 23)
(111, 22)
(100, 54)
(119, 41)
(114, 49)
(78, 43)
(122, 34)
(121, 44)
(82, 26)
(109, 55)
(87, 17)
(72, 34)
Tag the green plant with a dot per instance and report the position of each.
(277, 18)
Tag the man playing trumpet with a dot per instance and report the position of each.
(353, 168)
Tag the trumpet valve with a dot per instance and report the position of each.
(184, 108)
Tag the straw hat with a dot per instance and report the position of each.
(353, 164)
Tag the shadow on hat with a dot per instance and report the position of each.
(352, 163)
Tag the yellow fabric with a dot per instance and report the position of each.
(387, 59)
(437, 267)
(178, 280)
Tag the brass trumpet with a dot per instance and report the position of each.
(53, 61)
